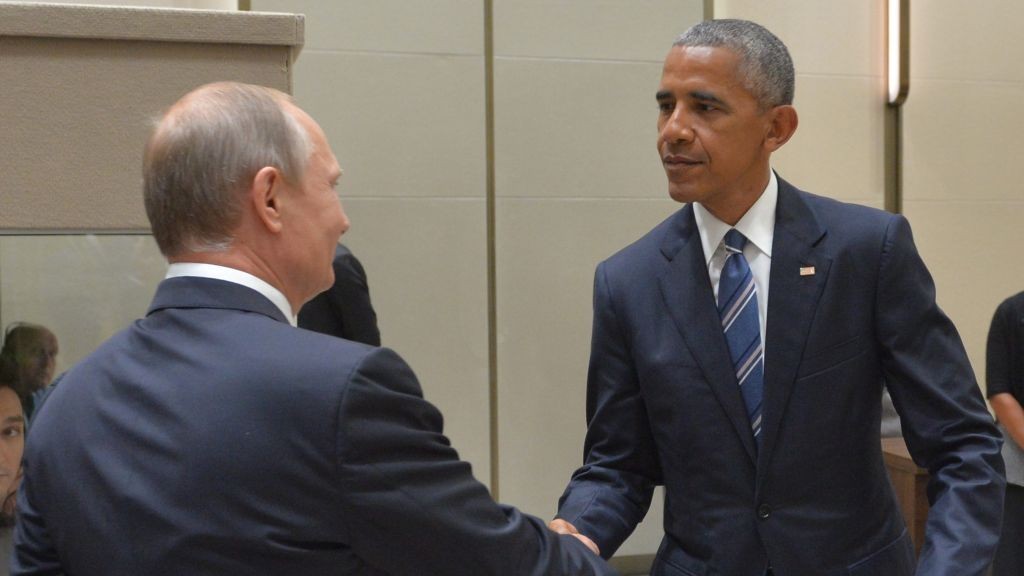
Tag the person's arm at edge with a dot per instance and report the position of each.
(998, 353)
(1010, 414)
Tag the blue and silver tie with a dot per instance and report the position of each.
(737, 307)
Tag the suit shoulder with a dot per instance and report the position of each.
(835, 212)
(646, 249)
(1014, 305)
(323, 349)
(847, 225)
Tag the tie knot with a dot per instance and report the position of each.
(734, 240)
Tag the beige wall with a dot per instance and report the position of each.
(962, 155)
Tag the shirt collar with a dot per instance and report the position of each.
(757, 225)
(234, 276)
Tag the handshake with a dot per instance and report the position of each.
(562, 527)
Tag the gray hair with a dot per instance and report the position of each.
(203, 154)
(765, 63)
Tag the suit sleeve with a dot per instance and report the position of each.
(412, 507)
(946, 425)
(350, 299)
(611, 493)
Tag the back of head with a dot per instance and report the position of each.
(764, 60)
(203, 155)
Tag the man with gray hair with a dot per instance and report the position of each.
(215, 437)
(760, 415)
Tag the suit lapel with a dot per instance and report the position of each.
(799, 270)
(686, 289)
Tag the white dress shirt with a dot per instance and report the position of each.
(234, 276)
(758, 225)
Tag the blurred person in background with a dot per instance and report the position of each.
(33, 349)
(1004, 376)
(343, 310)
(12, 445)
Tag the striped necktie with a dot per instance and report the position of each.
(737, 307)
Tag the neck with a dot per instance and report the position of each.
(240, 257)
(732, 209)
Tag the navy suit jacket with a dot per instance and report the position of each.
(211, 437)
(851, 309)
(344, 309)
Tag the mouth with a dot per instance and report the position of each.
(679, 163)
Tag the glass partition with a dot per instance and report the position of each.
(84, 288)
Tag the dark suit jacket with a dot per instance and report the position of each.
(213, 438)
(664, 407)
(344, 309)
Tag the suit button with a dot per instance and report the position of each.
(764, 511)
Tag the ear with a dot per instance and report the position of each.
(265, 198)
(783, 122)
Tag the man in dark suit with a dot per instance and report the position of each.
(343, 310)
(213, 437)
(760, 413)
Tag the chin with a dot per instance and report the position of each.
(682, 194)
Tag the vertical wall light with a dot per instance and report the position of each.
(897, 56)
(898, 52)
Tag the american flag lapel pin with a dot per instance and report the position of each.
(807, 270)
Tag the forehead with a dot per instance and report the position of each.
(323, 156)
(707, 66)
(9, 403)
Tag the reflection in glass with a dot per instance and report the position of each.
(84, 288)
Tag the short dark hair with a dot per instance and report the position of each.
(765, 63)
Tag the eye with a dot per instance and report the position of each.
(12, 431)
(666, 106)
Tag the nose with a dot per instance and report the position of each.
(345, 223)
(677, 128)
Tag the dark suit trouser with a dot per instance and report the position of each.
(1009, 559)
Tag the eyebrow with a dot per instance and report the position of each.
(701, 96)
(697, 95)
(14, 420)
